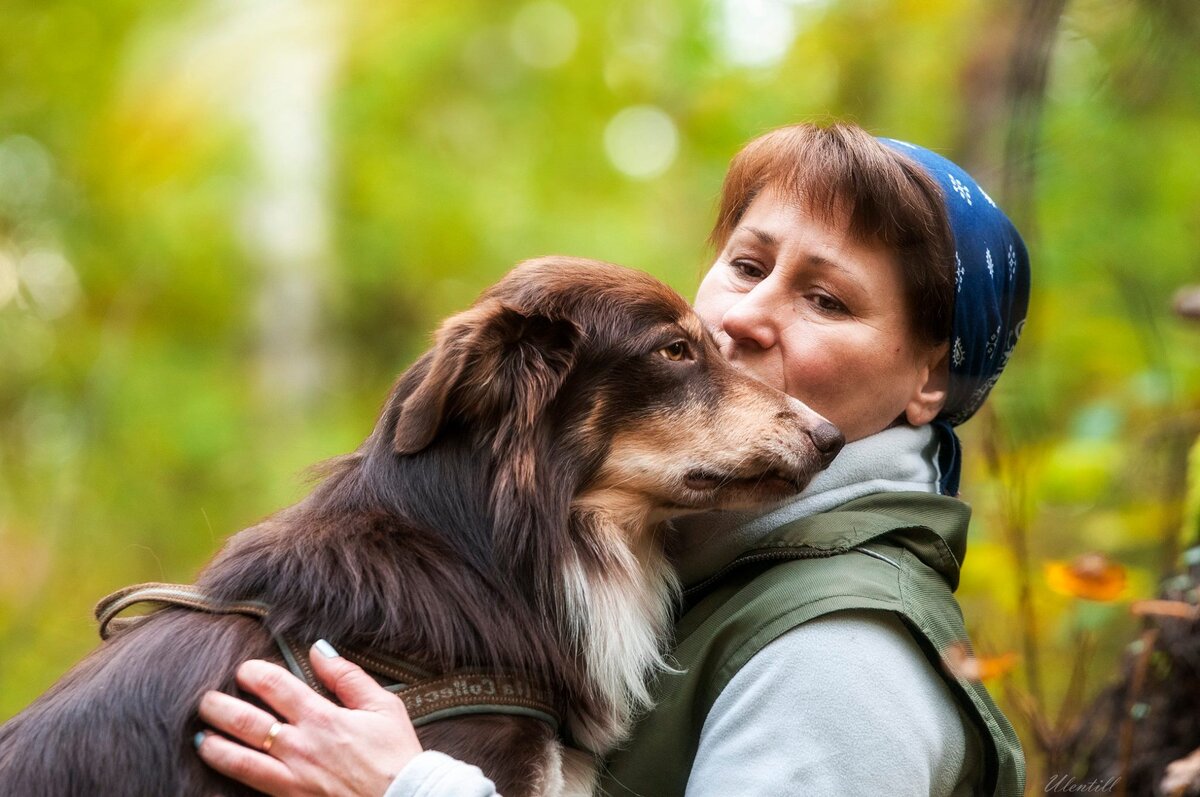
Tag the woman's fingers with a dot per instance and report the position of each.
(350, 683)
(282, 691)
(323, 749)
(238, 719)
(257, 770)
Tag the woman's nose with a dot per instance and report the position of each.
(751, 321)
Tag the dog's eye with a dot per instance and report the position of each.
(677, 351)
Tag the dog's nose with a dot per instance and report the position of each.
(829, 441)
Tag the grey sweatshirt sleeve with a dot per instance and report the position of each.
(433, 774)
(844, 705)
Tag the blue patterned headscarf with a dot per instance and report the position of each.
(992, 295)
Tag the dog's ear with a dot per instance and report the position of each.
(492, 364)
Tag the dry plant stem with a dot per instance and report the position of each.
(1148, 638)
(1012, 512)
(1027, 80)
(1030, 710)
(1175, 440)
(1016, 534)
(1052, 739)
(1085, 645)
(1071, 711)
(1163, 608)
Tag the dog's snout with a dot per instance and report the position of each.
(829, 441)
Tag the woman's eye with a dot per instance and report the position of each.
(676, 352)
(828, 304)
(747, 269)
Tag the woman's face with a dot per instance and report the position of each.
(802, 306)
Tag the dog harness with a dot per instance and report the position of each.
(428, 697)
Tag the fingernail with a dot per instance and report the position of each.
(325, 649)
(198, 739)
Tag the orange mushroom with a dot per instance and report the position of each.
(1092, 576)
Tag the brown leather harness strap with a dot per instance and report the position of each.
(472, 693)
(427, 697)
(181, 595)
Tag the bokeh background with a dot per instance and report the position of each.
(225, 227)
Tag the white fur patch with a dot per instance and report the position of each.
(622, 617)
(549, 781)
(579, 774)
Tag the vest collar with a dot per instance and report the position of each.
(931, 527)
(899, 459)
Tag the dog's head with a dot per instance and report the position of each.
(556, 421)
(580, 375)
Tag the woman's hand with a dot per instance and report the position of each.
(314, 747)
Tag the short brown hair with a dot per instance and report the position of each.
(890, 199)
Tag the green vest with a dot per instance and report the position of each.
(897, 552)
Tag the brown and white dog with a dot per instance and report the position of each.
(507, 513)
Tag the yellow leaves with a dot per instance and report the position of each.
(962, 663)
(1092, 576)
(989, 575)
(1080, 470)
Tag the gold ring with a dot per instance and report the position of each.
(276, 727)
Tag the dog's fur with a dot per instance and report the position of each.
(506, 513)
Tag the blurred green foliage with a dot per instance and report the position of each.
(226, 226)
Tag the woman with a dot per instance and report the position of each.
(875, 281)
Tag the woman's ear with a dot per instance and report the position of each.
(931, 385)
